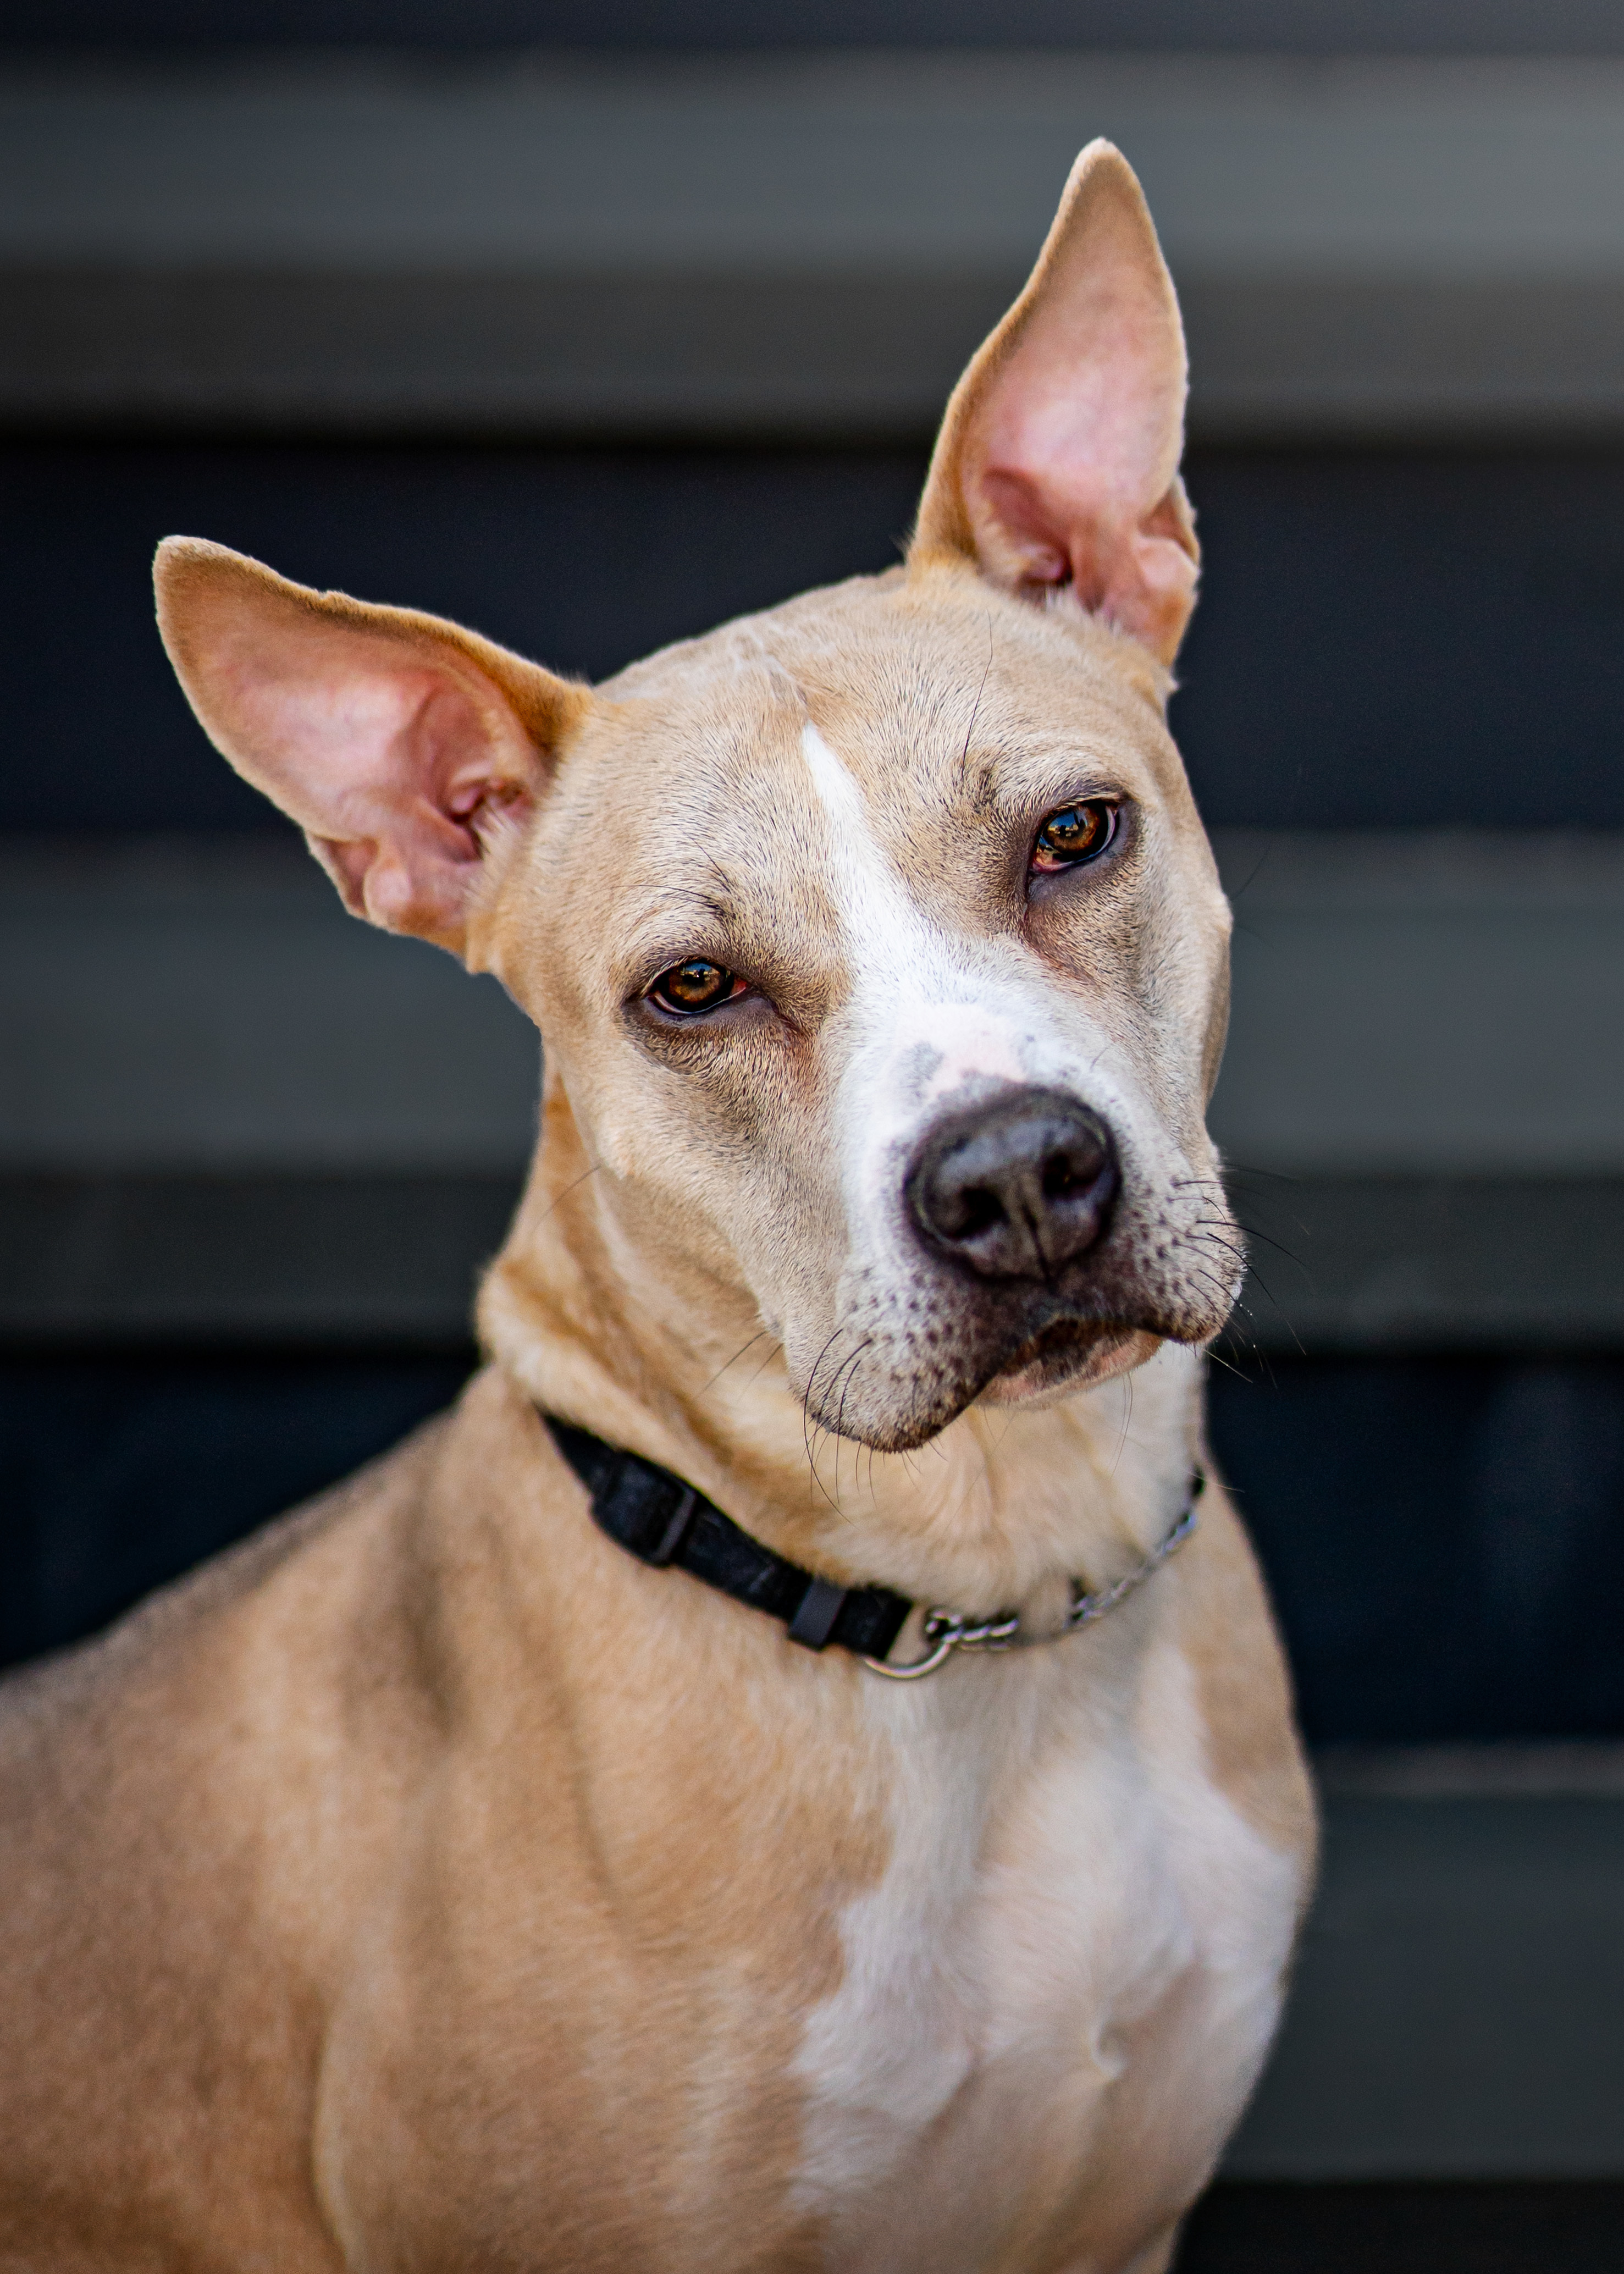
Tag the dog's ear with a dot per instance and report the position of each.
(404, 747)
(1058, 460)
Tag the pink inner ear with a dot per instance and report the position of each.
(1132, 569)
(1070, 456)
(387, 761)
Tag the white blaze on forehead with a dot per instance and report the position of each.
(882, 924)
(932, 997)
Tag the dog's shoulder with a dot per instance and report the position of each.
(162, 1794)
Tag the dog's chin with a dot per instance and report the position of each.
(1068, 1356)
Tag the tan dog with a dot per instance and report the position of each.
(429, 1885)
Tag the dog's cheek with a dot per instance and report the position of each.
(729, 1085)
(794, 1241)
(1149, 979)
(729, 1158)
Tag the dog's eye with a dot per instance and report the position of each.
(689, 989)
(1077, 832)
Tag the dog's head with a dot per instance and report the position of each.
(875, 940)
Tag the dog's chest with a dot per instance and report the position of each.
(1074, 1926)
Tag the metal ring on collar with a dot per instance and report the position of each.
(946, 1631)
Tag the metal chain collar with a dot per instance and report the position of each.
(946, 1631)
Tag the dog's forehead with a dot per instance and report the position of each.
(728, 751)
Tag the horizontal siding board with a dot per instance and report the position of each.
(806, 246)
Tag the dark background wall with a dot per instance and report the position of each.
(1281, 26)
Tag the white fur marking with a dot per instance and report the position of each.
(878, 916)
(918, 993)
(1051, 1881)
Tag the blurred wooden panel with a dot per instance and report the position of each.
(804, 246)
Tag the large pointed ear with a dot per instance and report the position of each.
(1058, 460)
(404, 747)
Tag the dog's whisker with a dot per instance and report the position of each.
(573, 1185)
(1218, 1358)
(975, 708)
(737, 1355)
(849, 1367)
(1127, 1417)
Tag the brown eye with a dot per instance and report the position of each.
(1077, 832)
(689, 988)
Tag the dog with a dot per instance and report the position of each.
(791, 1772)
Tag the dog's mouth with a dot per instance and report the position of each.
(1066, 1355)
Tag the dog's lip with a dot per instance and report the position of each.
(1063, 1336)
(1070, 1333)
(1066, 1356)
(1061, 1345)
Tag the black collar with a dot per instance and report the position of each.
(661, 1521)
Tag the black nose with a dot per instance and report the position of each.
(1016, 1187)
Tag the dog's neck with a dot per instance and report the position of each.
(605, 1324)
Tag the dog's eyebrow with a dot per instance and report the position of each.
(975, 708)
(680, 894)
(979, 783)
(720, 905)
